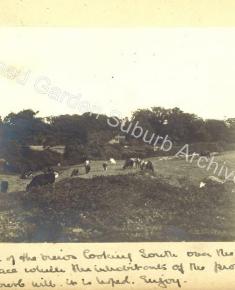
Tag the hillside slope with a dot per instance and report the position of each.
(137, 207)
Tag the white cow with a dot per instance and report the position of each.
(56, 174)
(112, 161)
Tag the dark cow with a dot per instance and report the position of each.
(105, 166)
(148, 165)
(129, 163)
(51, 170)
(75, 172)
(205, 154)
(143, 164)
(26, 174)
(87, 168)
(4, 186)
(41, 180)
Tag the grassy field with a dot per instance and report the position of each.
(175, 171)
(122, 205)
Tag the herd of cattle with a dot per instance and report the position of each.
(49, 175)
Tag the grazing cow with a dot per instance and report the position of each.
(129, 163)
(138, 162)
(41, 180)
(148, 165)
(195, 154)
(143, 164)
(26, 174)
(202, 184)
(4, 186)
(205, 154)
(135, 161)
(156, 148)
(75, 172)
(51, 170)
(112, 161)
(56, 174)
(105, 166)
(87, 168)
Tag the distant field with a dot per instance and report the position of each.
(122, 205)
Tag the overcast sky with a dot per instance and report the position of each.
(118, 70)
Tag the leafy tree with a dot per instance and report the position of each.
(24, 127)
(217, 130)
(68, 129)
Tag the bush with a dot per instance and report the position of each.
(23, 158)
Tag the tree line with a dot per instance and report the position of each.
(79, 132)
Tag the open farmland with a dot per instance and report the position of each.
(124, 206)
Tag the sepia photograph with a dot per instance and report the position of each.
(117, 134)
